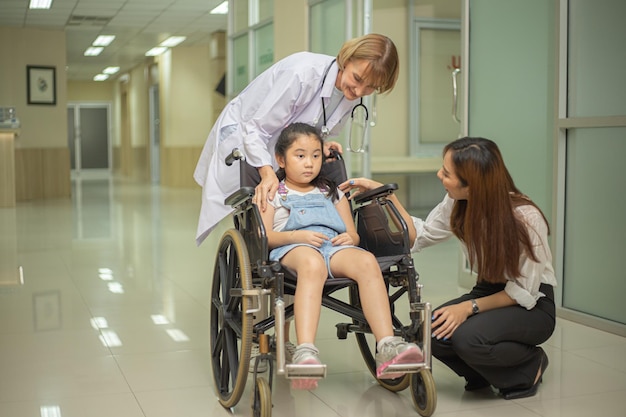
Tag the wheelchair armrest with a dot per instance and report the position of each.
(376, 192)
(239, 196)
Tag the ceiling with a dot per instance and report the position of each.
(138, 25)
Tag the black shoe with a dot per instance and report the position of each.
(514, 394)
(476, 384)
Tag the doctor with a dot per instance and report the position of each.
(304, 87)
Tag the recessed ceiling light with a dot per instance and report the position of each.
(172, 41)
(110, 70)
(156, 51)
(221, 9)
(100, 77)
(93, 50)
(40, 4)
(103, 40)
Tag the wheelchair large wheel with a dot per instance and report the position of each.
(367, 346)
(423, 392)
(231, 325)
(262, 399)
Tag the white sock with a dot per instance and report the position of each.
(382, 341)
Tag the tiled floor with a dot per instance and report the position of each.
(109, 317)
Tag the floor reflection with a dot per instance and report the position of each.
(92, 214)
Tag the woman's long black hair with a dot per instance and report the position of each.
(287, 137)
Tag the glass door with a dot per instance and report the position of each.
(88, 139)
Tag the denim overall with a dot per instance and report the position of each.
(313, 212)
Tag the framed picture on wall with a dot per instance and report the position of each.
(41, 85)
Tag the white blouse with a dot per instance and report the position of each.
(525, 288)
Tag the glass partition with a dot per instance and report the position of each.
(438, 85)
(595, 226)
(240, 15)
(591, 140)
(264, 48)
(327, 26)
(240, 63)
(266, 9)
(595, 75)
(251, 37)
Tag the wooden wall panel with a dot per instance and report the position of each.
(7, 170)
(56, 173)
(28, 174)
(178, 165)
(140, 165)
(42, 173)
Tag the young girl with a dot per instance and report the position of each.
(311, 232)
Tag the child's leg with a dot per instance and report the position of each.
(362, 267)
(311, 271)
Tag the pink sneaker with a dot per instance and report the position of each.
(396, 352)
(305, 354)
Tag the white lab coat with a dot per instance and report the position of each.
(289, 91)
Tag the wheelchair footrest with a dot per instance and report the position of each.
(305, 371)
(404, 368)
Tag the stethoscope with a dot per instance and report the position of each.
(326, 131)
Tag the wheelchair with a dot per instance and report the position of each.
(244, 279)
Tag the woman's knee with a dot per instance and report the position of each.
(466, 341)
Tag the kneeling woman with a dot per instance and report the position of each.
(489, 336)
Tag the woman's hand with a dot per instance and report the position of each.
(447, 319)
(266, 189)
(332, 146)
(358, 185)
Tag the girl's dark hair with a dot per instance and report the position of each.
(286, 139)
(495, 237)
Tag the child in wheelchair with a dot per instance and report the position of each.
(311, 232)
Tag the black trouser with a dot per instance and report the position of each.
(499, 346)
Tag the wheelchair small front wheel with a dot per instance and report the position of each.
(262, 399)
(423, 392)
(230, 323)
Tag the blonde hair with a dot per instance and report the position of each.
(380, 51)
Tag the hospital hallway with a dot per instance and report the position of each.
(104, 312)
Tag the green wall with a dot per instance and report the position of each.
(511, 88)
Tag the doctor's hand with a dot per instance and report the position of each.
(358, 185)
(267, 187)
(328, 146)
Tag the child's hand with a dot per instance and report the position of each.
(309, 237)
(342, 239)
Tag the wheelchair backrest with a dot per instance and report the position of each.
(380, 230)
